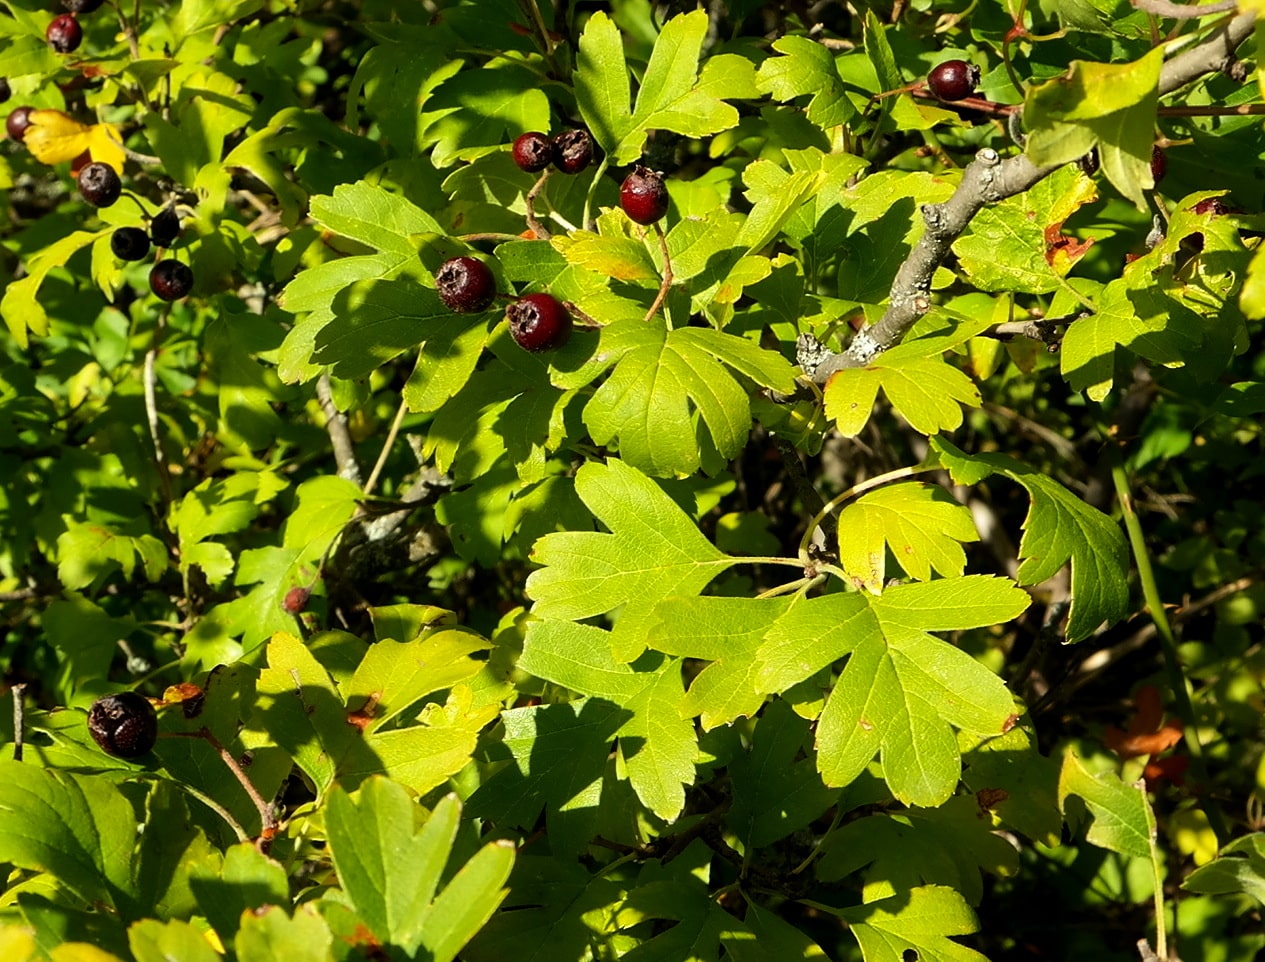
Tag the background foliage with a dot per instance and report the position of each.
(891, 592)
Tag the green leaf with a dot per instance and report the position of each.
(657, 743)
(1018, 245)
(271, 934)
(374, 216)
(1112, 104)
(1121, 819)
(726, 632)
(925, 390)
(231, 888)
(87, 551)
(807, 68)
(1059, 527)
(1240, 867)
(19, 306)
(670, 402)
(468, 901)
(78, 827)
(1020, 784)
(171, 941)
(776, 787)
(481, 108)
(653, 551)
(950, 845)
(673, 95)
(901, 689)
(921, 523)
(915, 924)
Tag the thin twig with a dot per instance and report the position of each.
(151, 406)
(386, 448)
(218, 809)
(18, 691)
(267, 819)
(339, 434)
(537, 228)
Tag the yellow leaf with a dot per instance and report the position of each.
(54, 137)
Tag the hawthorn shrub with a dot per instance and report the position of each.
(854, 553)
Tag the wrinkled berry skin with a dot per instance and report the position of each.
(539, 322)
(643, 196)
(953, 80)
(64, 34)
(1089, 163)
(170, 280)
(1159, 164)
(129, 244)
(533, 151)
(572, 151)
(165, 227)
(82, 6)
(16, 123)
(465, 285)
(99, 184)
(124, 725)
(296, 600)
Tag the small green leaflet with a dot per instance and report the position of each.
(1121, 815)
(807, 68)
(950, 845)
(901, 691)
(917, 924)
(85, 551)
(924, 389)
(391, 872)
(653, 551)
(1018, 245)
(921, 523)
(217, 507)
(673, 96)
(1112, 105)
(671, 400)
(1239, 868)
(657, 744)
(726, 632)
(1059, 527)
(19, 306)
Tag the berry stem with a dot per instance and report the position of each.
(386, 448)
(267, 820)
(587, 220)
(667, 272)
(150, 381)
(537, 228)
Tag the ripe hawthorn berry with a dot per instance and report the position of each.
(129, 243)
(82, 6)
(572, 151)
(539, 322)
(99, 184)
(170, 280)
(533, 151)
(465, 285)
(1159, 164)
(296, 600)
(643, 196)
(953, 80)
(1089, 163)
(64, 34)
(16, 123)
(5, 90)
(124, 725)
(165, 227)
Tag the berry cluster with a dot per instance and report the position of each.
(538, 322)
(64, 33)
(169, 279)
(570, 151)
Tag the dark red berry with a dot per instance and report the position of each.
(296, 600)
(1216, 206)
(533, 151)
(5, 91)
(170, 280)
(124, 725)
(129, 244)
(1089, 163)
(572, 151)
(64, 33)
(17, 122)
(1159, 164)
(465, 285)
(953, 80)
(81, 6)
(539, 322)
(165, 227)
(643, 196)
(99, 184)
